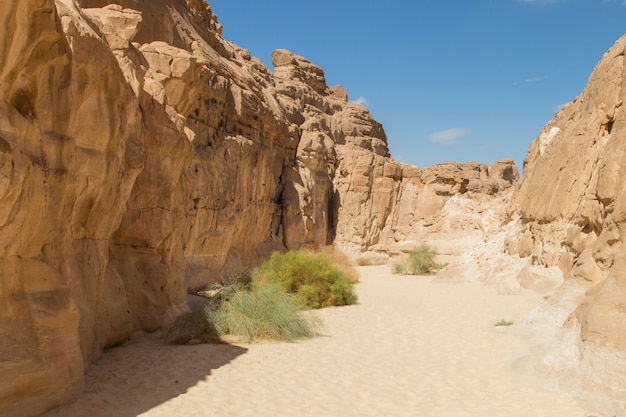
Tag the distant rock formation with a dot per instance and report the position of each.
(364, 200)
(141, 155)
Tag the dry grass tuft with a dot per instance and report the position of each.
(420, 261)
(264, 312)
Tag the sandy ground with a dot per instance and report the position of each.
(411, 347)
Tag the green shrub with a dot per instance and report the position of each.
(264, 312)
(312, 278)
(504, 323)
(420, 261)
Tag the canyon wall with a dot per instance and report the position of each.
(572, 204)
(142, 155)
(560, 232)
(572, 198)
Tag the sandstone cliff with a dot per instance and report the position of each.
(141, 155)
(573, 216)
(572, 197)
(562, 234)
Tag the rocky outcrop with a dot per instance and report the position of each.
(573, 215)
(142, 155)
(571, 198)
(126, 168)
(65, 178)
(560, 233)
(349, 191)
(391, 207)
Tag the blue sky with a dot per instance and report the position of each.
(451, 80)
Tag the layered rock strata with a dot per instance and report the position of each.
(142, 155)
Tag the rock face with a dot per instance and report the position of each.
(391, 207)
(142, 155)
(573, 210)
(572, 197)
(349, 191)
(560, 232)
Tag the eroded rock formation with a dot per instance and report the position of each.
(572, 204)
(562, 233)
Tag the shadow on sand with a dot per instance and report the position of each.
(143, 373)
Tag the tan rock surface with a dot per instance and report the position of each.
(391, 207)
(572, 206)
(65, 177)
(126, 169)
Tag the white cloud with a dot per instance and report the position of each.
(536, 1)
(362, 101)
(449, 137)
(529, 80)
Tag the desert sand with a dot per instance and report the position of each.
(413, 346)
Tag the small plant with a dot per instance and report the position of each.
(504, 323)
(419, 261)
(313, 280)
(264, 312)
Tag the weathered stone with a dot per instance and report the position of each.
(573, 203)
(572, 180)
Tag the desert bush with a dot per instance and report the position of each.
(312, 278)
(192, 327)
(419, 261)
(504, 323)
(264, 312)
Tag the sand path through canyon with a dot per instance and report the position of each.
(411, 347)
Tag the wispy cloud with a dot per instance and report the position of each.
(529, 80)
(362, 101)
(448, 137)
(537, 1)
